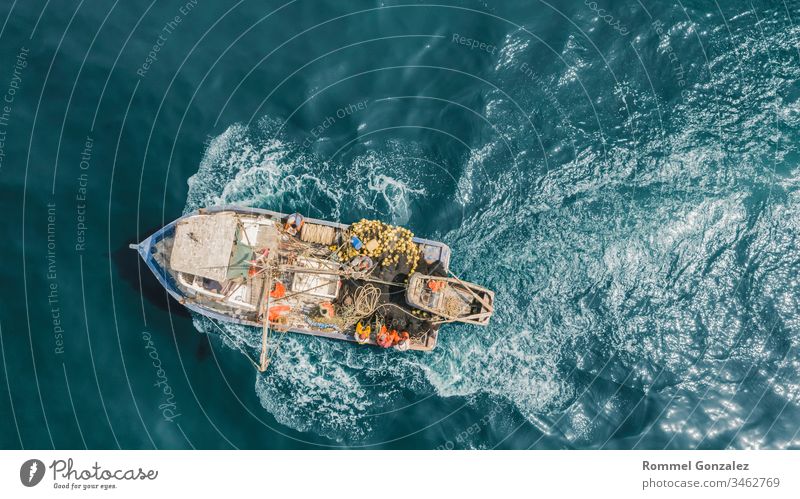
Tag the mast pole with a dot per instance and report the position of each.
(265, 314)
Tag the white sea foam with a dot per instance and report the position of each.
(313, 385)
(620, 270)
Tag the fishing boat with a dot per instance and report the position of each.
(368, 282)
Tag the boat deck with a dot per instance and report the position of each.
(251, 298)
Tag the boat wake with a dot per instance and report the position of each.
(652, 271)
(343, 391)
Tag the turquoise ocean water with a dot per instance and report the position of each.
(623, 174)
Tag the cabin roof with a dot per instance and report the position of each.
(203, 245)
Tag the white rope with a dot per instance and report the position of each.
(233, 340)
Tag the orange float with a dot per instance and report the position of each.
(384, 338)
(278, 291)
(277, 311)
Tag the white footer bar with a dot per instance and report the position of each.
(406, 474)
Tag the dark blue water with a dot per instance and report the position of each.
(624, 175)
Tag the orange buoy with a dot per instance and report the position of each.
(278, 291)
(384, 339)
(326, 309)
(277, 311)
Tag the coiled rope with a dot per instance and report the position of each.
(365, 303)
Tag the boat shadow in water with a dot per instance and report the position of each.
(134, 273)
(138, 276)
